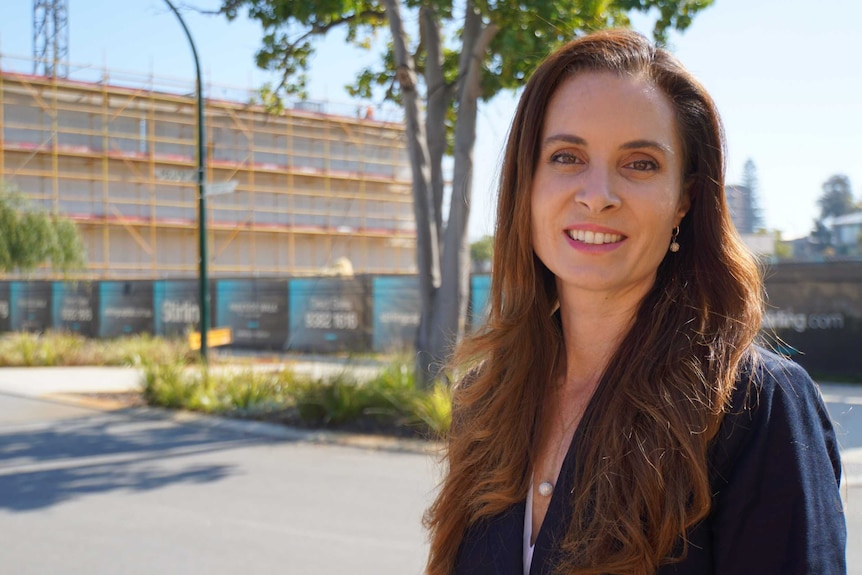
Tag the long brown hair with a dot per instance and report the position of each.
(642, 468)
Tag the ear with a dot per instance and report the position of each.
(684, 203)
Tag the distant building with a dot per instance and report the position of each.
(742, 212)
(298, 191)
(741, 207)
(804, 248)
(762, 244)
(847, 233)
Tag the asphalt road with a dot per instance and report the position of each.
(84, 491)
(89, 492)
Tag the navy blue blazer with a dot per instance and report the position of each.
(775, 473)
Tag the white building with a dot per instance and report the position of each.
(847, 233)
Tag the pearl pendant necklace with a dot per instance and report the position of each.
(546, 488)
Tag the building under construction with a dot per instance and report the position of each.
(310, 188)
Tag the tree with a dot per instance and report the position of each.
(458, 54)
(837, 197)
(30, 237)
(783, 250)
(482, 251)
(751, 184)
(836, 200)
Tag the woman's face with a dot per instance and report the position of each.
(607, 188)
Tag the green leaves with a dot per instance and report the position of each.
(268, 97)
(837, 197)
(290, 29)
(528, 31)
(482, 250)
(29, 237)
(67, 254)
(672, 14)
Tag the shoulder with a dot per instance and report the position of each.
(770, 373)
(775, 471)
(766, 381)
(770, 389)
(776, 409)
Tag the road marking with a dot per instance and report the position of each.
(849, 399)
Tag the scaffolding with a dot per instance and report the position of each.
(311, 187)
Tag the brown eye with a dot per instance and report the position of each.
(644, 165)
(564, 158)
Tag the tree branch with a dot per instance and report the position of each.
(318, 28)
(477, 38)
(479, 51)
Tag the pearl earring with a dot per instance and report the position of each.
(674, 245)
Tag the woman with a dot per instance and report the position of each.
(616, 416)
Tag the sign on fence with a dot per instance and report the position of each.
(215, 337)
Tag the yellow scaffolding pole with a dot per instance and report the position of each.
(104, 164)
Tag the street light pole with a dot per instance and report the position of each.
(202, 206)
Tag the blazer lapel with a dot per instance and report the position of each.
(494, 547)
(558, 517)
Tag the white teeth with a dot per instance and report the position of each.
(596, 238)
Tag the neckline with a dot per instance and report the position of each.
(528, 547)
(556, 515)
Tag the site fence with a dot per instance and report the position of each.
(813, 314)
(315, 315)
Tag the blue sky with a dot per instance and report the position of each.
(785, 74)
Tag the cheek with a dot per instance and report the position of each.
(539, 229)
(544, 199)
(543, 213)
(538, 208)
(536, 228)
(672, 206)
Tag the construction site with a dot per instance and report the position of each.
(299, 192)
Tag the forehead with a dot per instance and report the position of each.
(611, 104)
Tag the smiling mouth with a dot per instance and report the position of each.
(595, 238)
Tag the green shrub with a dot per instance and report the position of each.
(332, 402)
(211, 390)
(144, 349)
(20, 350)
(46, 350)
(69, 349)
(174, 378)
(55, 348)
(175, 385)
(254, 392)
(434, 408)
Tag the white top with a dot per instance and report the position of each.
(528, 531)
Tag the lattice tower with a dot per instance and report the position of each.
(51, 38)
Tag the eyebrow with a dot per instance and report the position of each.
(647, 144)
(633, 145)
(565, 138)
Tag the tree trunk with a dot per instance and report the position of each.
(444, 304)
(436, 105)
(427, 246)
(453, 296)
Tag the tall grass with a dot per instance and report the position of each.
(386, 403)
(54, 348)
(174, 378)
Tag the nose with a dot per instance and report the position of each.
(596, 191)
